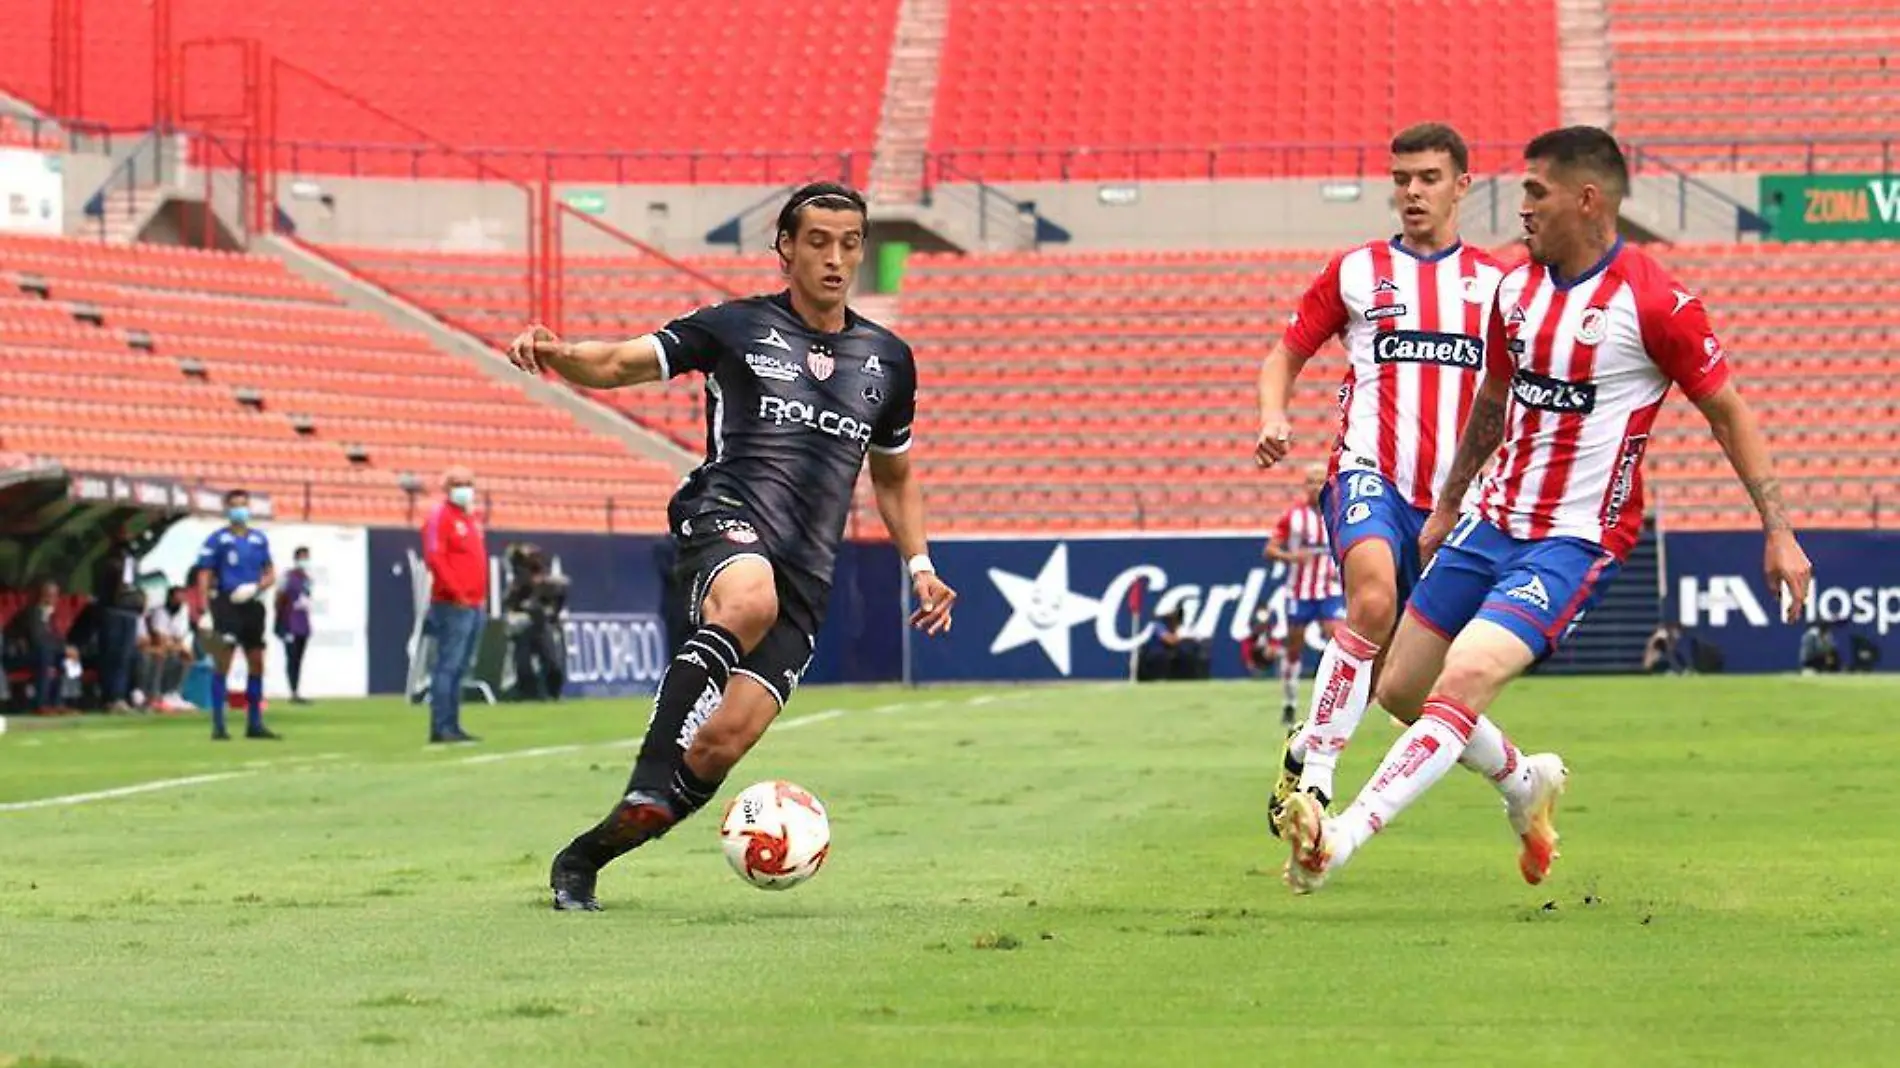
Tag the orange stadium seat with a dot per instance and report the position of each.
(1802, 83)
(1127, 378)
(230, 370)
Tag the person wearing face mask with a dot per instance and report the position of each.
(293, 621)
(234, 568)
(167, 652)
(457, 558)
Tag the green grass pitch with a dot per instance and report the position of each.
(1020, 876)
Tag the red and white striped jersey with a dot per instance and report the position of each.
(1317, 578)
(1590, 362)
(1414, 333)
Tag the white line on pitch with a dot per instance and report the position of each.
(544, 750)
(121, 791)
(815, 717)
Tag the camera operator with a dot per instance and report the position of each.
(535, 601)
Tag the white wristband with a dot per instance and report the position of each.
(919, 564)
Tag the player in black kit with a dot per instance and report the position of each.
(798, 389)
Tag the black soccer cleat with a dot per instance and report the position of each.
(572, 880)
(264, 734)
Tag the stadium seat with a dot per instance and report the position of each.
(1801, 84)
(229, 370)
(1053, 89)
(634, 80)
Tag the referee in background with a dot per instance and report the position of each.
(239, 559)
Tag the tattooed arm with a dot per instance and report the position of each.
(1739, 434)
(1484, 432)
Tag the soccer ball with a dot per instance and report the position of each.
(776, 835)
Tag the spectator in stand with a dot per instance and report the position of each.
(115, 590)
(457, 558)
(293, 621)
(167, 652)
(33, 640)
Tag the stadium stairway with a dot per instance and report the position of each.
(910, 99)
(1583, 62)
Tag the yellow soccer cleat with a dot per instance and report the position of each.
(1287, 784)
(1311, 855)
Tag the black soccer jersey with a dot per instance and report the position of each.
(790, 413)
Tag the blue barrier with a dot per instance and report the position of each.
(1716, 591)
(617, 631)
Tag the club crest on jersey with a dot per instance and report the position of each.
(1474, 290)
(1713, 349)
(1593, 327)
(821, 363)
(1548, 394)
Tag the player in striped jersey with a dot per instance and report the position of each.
(1312, 584)
(1584, 347)
(1411, 313)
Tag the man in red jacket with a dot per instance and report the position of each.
(457, 558)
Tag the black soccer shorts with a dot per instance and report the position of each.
(708, 543)
(241, 625)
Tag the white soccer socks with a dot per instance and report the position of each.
(1341, 690)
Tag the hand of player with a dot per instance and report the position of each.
(533, 348)
(1788, 571)
(934, 598)
(1276, 437)
(1437, 528)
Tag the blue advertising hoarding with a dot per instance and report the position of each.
(1078, 608)
(1717, 592)
(616, 631)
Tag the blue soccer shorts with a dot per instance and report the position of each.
(1320, 610)
(1358, 505)
(1536, 589)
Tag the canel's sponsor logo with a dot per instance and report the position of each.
(1427, 346)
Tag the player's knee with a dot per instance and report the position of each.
(746, 609)
(1469, 674)
(1372, 612)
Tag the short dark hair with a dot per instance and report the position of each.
(232, 495)
(301, 550)
(832, 195)
(1434, 137)
(1585, 148)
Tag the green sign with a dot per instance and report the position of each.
(1831, 207)
(586, 202)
